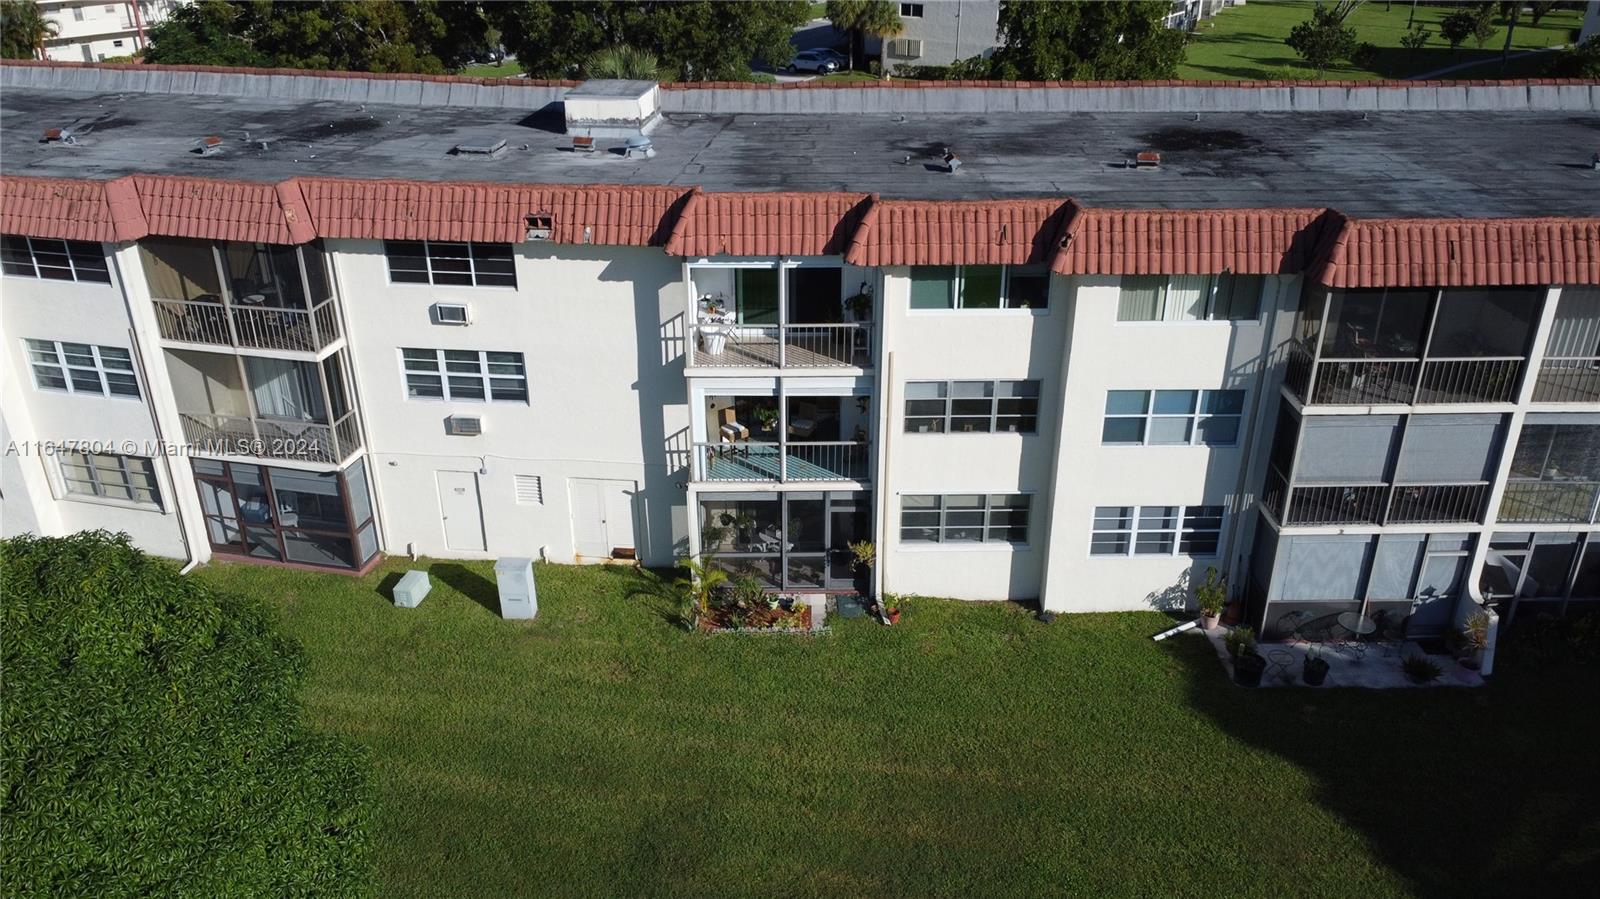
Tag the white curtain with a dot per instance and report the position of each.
(285, 389)
(1186, 297)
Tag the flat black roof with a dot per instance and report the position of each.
(1377, 164)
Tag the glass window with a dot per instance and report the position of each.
(127, 478)
(972, 406)
(1175, 417)
(1027, 287)
(81, 368)
(1224, 297)
(965, 518)
(1377, 323)
(464, 375)
(1484, 321)
(979, 287)
(451, 262)
(933, 287)
(1194, 531)
(54, 260)
(180, 269)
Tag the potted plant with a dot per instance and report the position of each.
(767, 417)
(1211, 596)
(893, 605)
(1248, 665)
(1239, 640)
(1420, 669)
(1314, 670)
(860, 306)
(866, 555)
(1472, 639)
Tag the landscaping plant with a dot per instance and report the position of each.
(1420, 669)
(1240, 640)
(1211, 596)
(153, 740)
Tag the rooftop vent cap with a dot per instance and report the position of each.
(638, 147)
(541, 226)
(58, 135)
(583, 143)
(1148, 159)
(951, 160)
(210, 145)
(485, 146)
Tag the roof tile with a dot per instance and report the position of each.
(981, 232)
(767, 224)
(1459, 252)
(1187, 241)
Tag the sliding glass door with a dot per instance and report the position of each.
(798, 540)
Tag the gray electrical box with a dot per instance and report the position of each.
(514, 577)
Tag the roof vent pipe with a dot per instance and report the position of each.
(638, 147)
(951, 161)
(210, 145)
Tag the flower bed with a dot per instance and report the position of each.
(764, 613)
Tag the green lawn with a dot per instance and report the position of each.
(508, 69)
(1247, 42)
(970, 751)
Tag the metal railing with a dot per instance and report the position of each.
(1341, 504)
(258, 327)
(1483, 379)
(1436, 503)
(211, 434)
(1297, 373)
(1549, 501)
(835, 460)
(1274, 493)
(826, 345)
(1568, 379)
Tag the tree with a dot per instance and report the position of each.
(1582, 61)
(1323, 39)
(1121, 40)
(1475, 21)
(1343, 8)
(696, 40)
(860, 18)
(365, 36)
(1511, 29)
(1538, 11)
(152, 740)
(1415, 39)
(24, 29)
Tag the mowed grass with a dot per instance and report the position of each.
(969, 751)
(1246, 42)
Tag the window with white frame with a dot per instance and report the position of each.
(1172, 417)
(54, 260)
(465, 375)
(965, 518)
(106, 476)
(82, 368)
(1189, 298)
(451, 262)
(911, 10)
(980, 287)
(1194, 531)
(941, 407)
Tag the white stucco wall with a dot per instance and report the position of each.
(77, 312)
(600, 330)
(966, 344)
(1105, 355)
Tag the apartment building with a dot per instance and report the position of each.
(433, 316)
(93, 32)
(941, 32)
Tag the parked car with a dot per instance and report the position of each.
(819, 61)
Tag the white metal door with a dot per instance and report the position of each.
(461, 510)
(602, 517)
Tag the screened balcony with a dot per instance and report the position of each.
(1570, 369)
(264, 408)
(1555, 471)
(824, 438)
(1381, 469)
(758, 316)
(227, 293)
(1411, 346)
(796, 540)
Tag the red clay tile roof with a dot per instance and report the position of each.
(1459, 252)
(775, 224)
(221, 210)
(1187, 242)
(406, 210)
(70, 210)
(982, 232)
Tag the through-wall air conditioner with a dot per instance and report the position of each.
(463, 425)
(452, 313)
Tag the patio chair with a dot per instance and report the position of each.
(1390, 635)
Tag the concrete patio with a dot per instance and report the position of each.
(1375, 670)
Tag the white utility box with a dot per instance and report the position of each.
(411, 588)
(513, 576)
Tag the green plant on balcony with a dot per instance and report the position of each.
(767, 417)
(860, 306)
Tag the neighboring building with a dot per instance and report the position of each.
(940, 32)
(1187, 14)
(1591, 21)
(1050, 374)
(92, 32)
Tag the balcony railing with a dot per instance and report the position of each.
(257, 327)
(1568, 380)
(1548, 502)
(1397, 381)
(211, 434)
(785, 462)
(787, 346)
(1374, 504)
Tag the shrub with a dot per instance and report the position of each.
(1476, 22)
(1416, 38)
(1365, 54)
(153, 741)
(1239, 641)
(1323, 39)
(1420, 669)
(1582, 61)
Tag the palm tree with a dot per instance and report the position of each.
(24, 29)
(878, 18)
(623, 61)
(701, 584)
